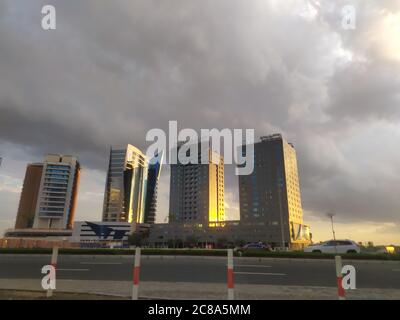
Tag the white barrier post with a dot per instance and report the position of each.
(136, 272)
(54, 257)
(231, 295)
(339, 277)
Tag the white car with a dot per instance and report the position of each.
(334, 246)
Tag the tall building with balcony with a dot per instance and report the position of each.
(126, 185)
(197, 191)
(29, 196)
(270, 196)
(58, 190)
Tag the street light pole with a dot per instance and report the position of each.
(331, 215)
(333, 229)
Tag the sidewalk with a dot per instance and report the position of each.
(203, 291)
(41, 295)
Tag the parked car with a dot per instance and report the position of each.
(334, 246)
(254, 246)
(387, 250)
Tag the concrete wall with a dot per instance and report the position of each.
(35, 243)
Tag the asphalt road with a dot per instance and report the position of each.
(203, 270)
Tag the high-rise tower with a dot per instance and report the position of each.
(270, 196)
(153, 176)
(197, 191)
(125, 192)
(57, 197)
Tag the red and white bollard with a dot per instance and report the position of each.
(54, 257)
(339, 277)
(231, 294)
(136, 272)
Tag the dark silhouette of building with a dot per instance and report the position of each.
(29, 196)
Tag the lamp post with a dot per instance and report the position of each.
(331, 215)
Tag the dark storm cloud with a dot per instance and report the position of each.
(114, 69)
(365, 91)
(48, 135)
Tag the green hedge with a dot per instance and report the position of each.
(145, 251)
(204, 252)
(306, 255)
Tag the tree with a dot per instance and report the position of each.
(191, 241)
(222, 242)
(174, 243)
(240, 243)
(178, 243)
(136, 239)
(171, 243)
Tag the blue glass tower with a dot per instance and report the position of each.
(153, 175)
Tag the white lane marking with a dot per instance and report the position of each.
(263, 273)
(252, 266)
(72, 269)
(101, 263)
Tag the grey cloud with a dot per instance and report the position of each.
(49, 135)
(367, 90)
(113, 70)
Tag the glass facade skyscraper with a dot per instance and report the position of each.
(270, 196)
(153, 176)
(125, 192)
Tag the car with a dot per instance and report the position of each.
(254, 246)
(387, 250)
(334, 246)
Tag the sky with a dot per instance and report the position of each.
(112, 70)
